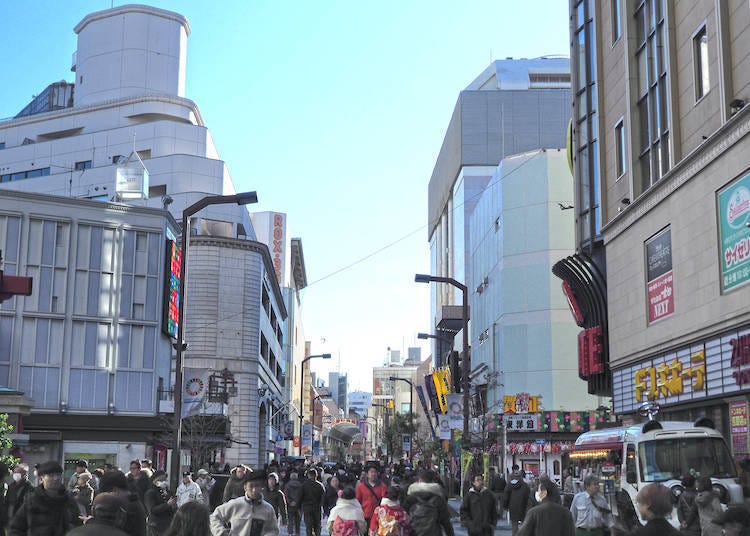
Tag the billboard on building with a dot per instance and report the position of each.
(171, 304)
(733, 213)
(659, 276)
(270, 228)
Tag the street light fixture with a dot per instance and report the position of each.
(466, 360)
(180, 345)
(301, 393)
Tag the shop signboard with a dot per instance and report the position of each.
(444, 426)
(738, 422)
(521, 422)
(659, 276)
(455, 411)
(734, 235)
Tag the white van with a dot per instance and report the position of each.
(627, 458)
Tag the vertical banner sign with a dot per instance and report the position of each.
(429, 384)
(455, 411)
(307, 430)
(738, 422)
(440, 390)
(278, 246)
(659, 276)
(734, 235)
(406, 442)
(423, 401)
(194, 387)
(171, 307)
(445, 427)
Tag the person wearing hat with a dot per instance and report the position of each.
(48, 509)
(83, 493)
(116, 482)
(82, 466)
(206, 483)
(236, 484)
(160, 506)
(108, 517)
(248, 514)
(188, 490)
(735, 521)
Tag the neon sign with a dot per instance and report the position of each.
(171, 308)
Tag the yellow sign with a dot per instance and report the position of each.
(521, 403)
(442, 379)
(668, 379)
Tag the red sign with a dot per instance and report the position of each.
(660, 297)
(171, 312)
(738, 422)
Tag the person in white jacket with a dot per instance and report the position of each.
(345, 514)
(188, 490)
(248, 515)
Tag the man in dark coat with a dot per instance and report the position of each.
(497, 486)
(548, 517)
(236, 484)
(312, 502)
(478, 510)
(293, 492)
(48, 510)
(516, 499)
(160, 507)
(427, 507)
(108, 517)
(18, 489)
(115, 482)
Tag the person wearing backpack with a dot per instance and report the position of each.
(347, 517)
(427, 507)
(370, 492)
(390, 519)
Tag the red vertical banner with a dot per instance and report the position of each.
(659, 276)
(738, 424)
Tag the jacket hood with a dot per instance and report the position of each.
(347, 509)
(432, 488)
(516, 482)
(385, 501)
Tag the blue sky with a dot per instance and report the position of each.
(334, 111)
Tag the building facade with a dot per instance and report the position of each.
(660, 156)
(123, 130)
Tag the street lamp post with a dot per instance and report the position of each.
(411, 407)
(466, 361)
(301, 393)
(180, 345)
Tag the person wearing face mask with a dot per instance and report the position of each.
(478, 511)
(18, 489)
(246, 515)
(160, 506)
(48, 509)
(548, 517)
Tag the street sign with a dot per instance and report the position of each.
(406, 442)
(540, 441)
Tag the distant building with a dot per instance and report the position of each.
(360, 401)
(338, 385)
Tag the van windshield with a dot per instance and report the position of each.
(666, 459)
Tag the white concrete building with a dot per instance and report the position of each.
(127, 103)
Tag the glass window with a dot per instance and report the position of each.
(2, 145)
(580, 15)
(616, 20)
(640, 25)
(85, 164)
(620, 148)
(665, 459)
(700, 60)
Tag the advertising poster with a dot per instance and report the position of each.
(307, 430)
(659, 276)
(195, 385)
(738, 424)
(733, 214)
(444, 426)
(455, 411)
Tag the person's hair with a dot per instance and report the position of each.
(546, 484)
(348, 493)
(515, 467)
(704, 484)
(191, 519)
(428, 476)
(393, 493)
(312, 473)
(109, 509)
(112, 480)
(293, 475)
(136, 463)
(688, 481)
(657, 498)
(591, 479)
(23, 467)
(478, 475)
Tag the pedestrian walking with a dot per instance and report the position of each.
(478, 509)
(312, 502)
(735, 521)
(235, 484)
(293, 492)
(370, 492)
(709, 507)
(516, 501)
(333, 487)
(206, 483)
(655, 504)
(591, 513)
(49, 510)
(427, 506)
(108, 517)
(390, 518)
(116, 482)
(347, 517)
(687, 510)
(160, 505)
(188, 490)
(497, 484)
(548, 517)
(82, 466)
(247, 515)
(190, 519)
(17, 490)
(275, 497)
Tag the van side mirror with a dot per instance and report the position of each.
(631, 477)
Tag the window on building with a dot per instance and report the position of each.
(2, 145)
(700, 62)
(620, 148)
(145, 154)
(653, 106)
(84, 164)
(585, 128)
(158, 190)
(616, 20)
